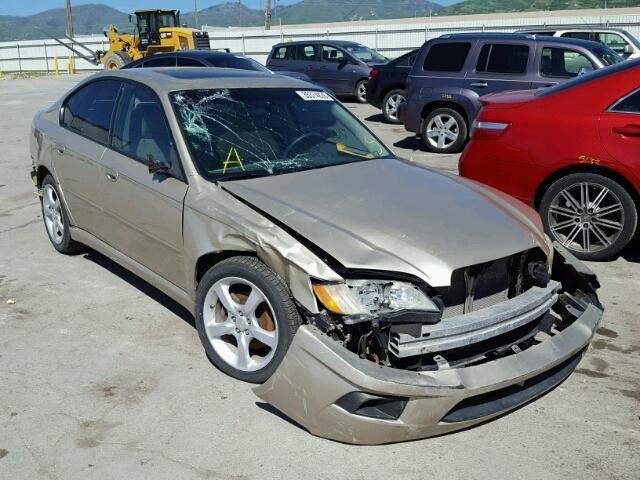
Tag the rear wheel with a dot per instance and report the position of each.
(592, 215)
(245, 318)
(361, 91)
(391, 103)
(56, 219)
(444, 131)
(116, 61)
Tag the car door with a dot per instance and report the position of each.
(80, 145)
(620, 131)
(500, 66)
(337, 70)
(143, 210)
(557, 64)
(307, 60)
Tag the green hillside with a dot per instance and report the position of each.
(470, 7)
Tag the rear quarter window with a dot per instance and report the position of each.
(283, 53)
(447, 57)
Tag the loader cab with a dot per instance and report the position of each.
(149, 23)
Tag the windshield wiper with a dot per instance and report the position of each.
(242, 176)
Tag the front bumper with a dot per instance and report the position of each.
(318, 372)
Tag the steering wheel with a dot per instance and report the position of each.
(306, 136)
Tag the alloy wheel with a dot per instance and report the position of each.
(586, 217)
(240, 324)
(361, 92)
(391, 107)
(52, 211)
(442, 130)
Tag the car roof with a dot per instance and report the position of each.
(520, 36)
(169, 79)
(340, 43)
(579, 28)
(203, 54)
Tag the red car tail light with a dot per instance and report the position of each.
(374, 73)
(488, 129)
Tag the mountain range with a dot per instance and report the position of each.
(92, 18)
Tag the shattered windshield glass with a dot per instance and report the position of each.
(252, 132)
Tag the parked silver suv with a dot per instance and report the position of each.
(379, 301)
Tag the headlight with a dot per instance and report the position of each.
(358, 297)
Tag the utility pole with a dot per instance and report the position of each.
(69, 20)
(267, 15)
(195, 11)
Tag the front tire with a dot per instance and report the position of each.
(56, 218)
(246, 318)
(592, 215)
(116, 61)
(444, 131)
(361, 91)
(390, 105)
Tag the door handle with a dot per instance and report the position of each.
(111, 175)
(480, 84)
(630, 130)
(60, 148)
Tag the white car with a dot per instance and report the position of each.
(620, 41)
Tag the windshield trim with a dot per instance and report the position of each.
(216, 179)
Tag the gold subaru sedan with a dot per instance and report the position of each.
(372, 300)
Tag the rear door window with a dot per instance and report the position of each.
(563, 62)
(307, 53)
(160, 62)
(189, 62)
(88, 111)
(447, 57)
(578, 35)
(503, 58)
(628, 104)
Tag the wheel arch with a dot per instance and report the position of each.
(41, 172)
(211, 259)
(434, 105)
(586, 168)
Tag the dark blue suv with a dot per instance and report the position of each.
(341, 66)
(452, 72)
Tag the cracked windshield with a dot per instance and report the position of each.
(243, 133)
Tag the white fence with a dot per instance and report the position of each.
(393, 38)
(390, 37)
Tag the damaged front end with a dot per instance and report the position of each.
(422, 361)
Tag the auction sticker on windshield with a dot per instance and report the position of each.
(310, 95)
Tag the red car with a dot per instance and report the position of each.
(572, 152)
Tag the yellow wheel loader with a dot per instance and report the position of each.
(156, 31)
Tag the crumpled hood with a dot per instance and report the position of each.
(391, 215)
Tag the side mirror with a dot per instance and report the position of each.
(129, 18)
(157, 167)
(628, 49)
(584, 71)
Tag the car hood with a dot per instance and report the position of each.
(390, 215)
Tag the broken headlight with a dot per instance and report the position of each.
(362, 297)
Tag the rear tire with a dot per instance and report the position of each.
(56, 218)
(361, 91)
(116, 61)
(246, 318)
(444, 131)
(593, 216)
(390, 104)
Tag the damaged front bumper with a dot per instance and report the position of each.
(338, 395)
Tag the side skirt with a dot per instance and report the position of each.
(168, 288)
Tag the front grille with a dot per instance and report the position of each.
(477, 287)
(201, 40)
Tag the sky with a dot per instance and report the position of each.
(18, 7)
